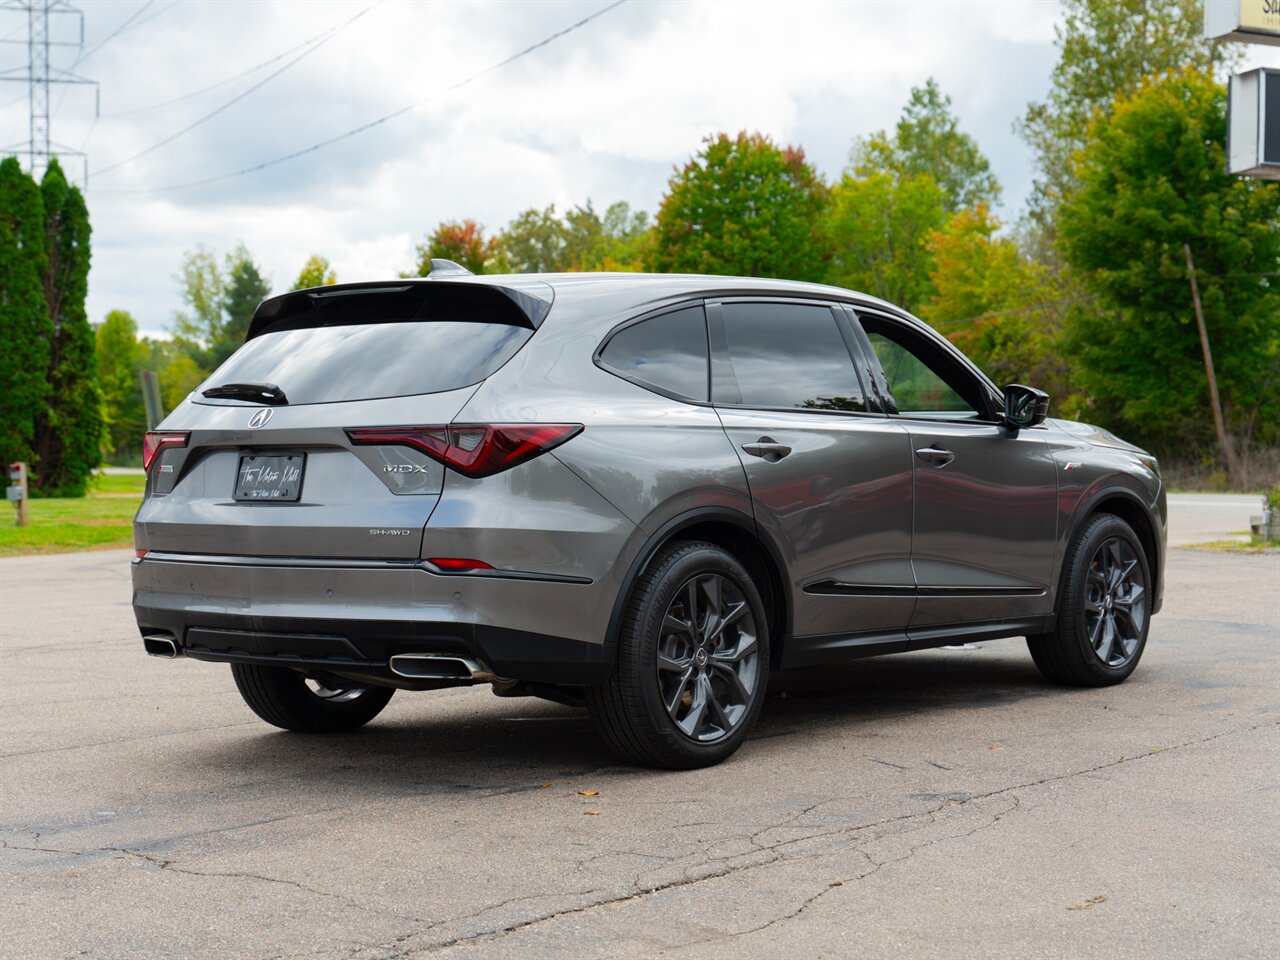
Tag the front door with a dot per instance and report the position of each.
(985, 519)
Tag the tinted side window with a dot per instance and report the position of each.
(925, 381)
(668, 352)
(790, 355)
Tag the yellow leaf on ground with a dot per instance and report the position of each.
(588, 793)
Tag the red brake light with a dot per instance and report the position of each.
(153, 443)
(474, 450)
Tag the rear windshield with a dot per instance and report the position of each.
(369, 361)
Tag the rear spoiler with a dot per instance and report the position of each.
(518, 302)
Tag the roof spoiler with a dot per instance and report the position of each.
(518, 302)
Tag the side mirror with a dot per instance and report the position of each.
(1024, 406)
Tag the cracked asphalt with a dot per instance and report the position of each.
(940, 803)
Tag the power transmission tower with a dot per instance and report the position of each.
(38, 77)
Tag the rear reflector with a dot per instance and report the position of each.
(474, 450)
(154, 443)
(139, 553)
(459, 563)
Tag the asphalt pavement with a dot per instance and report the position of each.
(946, 803)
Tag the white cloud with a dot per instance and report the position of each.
(603, 113)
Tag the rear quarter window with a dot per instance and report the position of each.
(667, 353)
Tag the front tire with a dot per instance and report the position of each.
(285, 698)
(692, 662)
(1103, 612)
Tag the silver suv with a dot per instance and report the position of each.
(644, 493)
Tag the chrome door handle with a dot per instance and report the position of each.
(768, 449)
(935, 455)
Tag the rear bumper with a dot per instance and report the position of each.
(350, 619)
(363, 649)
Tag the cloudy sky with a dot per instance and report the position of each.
(603, 112)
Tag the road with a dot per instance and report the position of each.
(944, 803)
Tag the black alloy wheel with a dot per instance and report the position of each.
(692, 662)
(1103, 615)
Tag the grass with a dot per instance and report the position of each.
(100, 520)
(1252, 545)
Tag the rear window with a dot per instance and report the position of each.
(369, 361)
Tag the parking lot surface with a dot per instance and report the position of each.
(943, 803)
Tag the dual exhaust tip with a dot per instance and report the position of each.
(412, 666)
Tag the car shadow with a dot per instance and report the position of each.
(479, 743)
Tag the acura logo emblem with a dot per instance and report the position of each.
(261, 417)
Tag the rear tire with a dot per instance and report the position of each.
(284, 698)
(692, 662)
(1103, 613)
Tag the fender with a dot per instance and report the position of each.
(669, 529)
(1085, 509)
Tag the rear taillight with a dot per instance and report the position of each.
(474, 450)
(153, 443)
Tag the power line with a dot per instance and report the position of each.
(240, 96)
(383, 119)
(112, 35)
(221, 83)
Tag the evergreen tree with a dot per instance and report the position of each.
(25, 328)
(69, 430)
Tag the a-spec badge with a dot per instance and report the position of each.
(261, 417)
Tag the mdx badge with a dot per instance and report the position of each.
(406, 468)
(261, 417)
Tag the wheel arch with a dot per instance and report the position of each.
(737, 533)
(1128, 506)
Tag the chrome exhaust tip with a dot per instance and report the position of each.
(440, 666)
(159, 645)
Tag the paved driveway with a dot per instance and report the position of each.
(945, 803)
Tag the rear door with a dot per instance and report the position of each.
(830, 480)
(985, 515)
(284, 479)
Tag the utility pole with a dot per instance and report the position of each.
(1228, 452)
(38, 78)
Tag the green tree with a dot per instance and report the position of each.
(742, 206)
(877, 229)
(1005, 311)
(200, 324)
(621, 240)
(316, 272)
(120, 358)
(535, 242)
(1151, 180)
(68, 432)
(1107, 48)
(245, 289)
(26, 329)
(463, 242)
(219, 303)
(928, 141)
